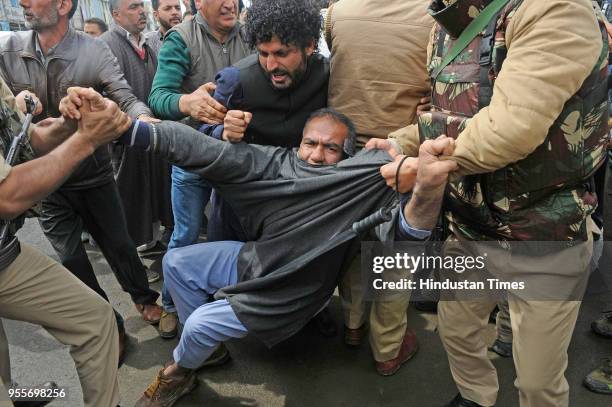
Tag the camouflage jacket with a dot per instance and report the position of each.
(10, 125)
(543, 196)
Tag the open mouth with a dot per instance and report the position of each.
(279, 77)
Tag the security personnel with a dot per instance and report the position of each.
(527, 105)
(35, 288)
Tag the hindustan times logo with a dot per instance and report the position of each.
(411, 263)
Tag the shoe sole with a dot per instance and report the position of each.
(151, 254)
(600, 389)
(599, 332)
(225, 358)
(168, 335)
(185, 392)
(394, 371)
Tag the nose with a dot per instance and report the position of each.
(271, 63)
(317, 156)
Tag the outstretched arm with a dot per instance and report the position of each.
(25, 184)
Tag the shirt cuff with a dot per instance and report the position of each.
(138, 135)
(415, 233)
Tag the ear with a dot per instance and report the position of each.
(64, 7)
(310, 48)
(155, 14)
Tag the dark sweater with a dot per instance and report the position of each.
(288, 207)
(279, 116)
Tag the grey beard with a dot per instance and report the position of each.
(40, 24)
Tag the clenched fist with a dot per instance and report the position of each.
(235, 125)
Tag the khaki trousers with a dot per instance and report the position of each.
(37, 289)
(541, 330)
(502, 322)
(5, 401)
(388, 319)
(542, 333)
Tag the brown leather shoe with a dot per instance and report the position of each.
(407, 350)
(168, 325)
(151, 313)
(354, 337)
(165, 391)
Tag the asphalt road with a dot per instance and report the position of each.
(307, 370)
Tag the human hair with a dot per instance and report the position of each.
(155, 4)
(98, 22)
(350, 142)
(296, 22)
(75, 4)
(114, 5)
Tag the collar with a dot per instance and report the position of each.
(64, 49)
(455, 15)
(131, 38)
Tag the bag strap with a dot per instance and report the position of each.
(487, 45)
(471, 32)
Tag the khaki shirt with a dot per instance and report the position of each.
(378, 55)
(544, 68)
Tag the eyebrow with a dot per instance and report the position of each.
(331, 145)
(310, 139)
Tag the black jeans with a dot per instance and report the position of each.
(99, 210)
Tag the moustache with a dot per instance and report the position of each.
(278, 72)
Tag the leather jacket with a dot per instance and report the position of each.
(78, 60)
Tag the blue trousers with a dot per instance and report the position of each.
(193, 274)
(190, 194)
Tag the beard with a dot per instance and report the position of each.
(165, 24)
(39, 23)
(295, 77)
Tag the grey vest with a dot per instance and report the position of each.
(279, 115)
(208, 55)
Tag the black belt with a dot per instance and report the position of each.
(9, 253)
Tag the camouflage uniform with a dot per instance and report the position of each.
(542, 196)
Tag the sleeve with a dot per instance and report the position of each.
(407, 138)
(115, 86)
(229, 93)
(544, 68)
(172, 67)
(407, 232)
(15, 120)
(5, 169)
(327, 27)
(216, 161)
(7, 96)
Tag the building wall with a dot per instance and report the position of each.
(11, 14)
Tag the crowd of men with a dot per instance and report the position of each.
(432, 109)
